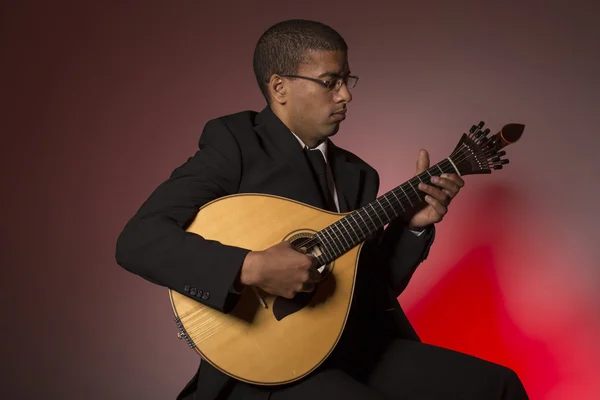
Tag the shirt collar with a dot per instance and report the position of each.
(322, 146)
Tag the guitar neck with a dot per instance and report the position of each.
(354, 228)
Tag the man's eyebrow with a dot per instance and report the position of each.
(334, 74)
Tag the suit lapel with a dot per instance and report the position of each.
(271, 129)
(348, 176)
(348, 179)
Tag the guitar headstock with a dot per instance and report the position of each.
(476, 153)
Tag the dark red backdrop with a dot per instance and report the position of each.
(100, 101)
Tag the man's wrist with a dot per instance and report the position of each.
(247, 274)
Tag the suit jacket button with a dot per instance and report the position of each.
(186, 288)
(199, 294)
(205, 295)
(193, 291)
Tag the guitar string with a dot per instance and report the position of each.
(370, 215)
(206, 325)
(460, 155)
(194, 315)
(390, 207)
(476, 136)
(200, 326)
(200, 333)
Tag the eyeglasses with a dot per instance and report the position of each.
(332, 84)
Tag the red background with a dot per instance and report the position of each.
(101, 100)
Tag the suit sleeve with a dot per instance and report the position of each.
(401, 252)
(154, 243)
(398, 250)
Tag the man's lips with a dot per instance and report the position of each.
(340, 115)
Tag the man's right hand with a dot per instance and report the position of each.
(280, 270)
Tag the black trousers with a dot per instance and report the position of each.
(407, 370)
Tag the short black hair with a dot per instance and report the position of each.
(282, 48)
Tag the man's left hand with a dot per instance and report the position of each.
(438, 197)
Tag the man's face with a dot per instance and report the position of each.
(313, 111)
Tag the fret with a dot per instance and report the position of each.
(363, 220)
(414, 190)
(332, 240)
(341, 234)
(445, 166)
(336, 241)
(371, 204)
(477, 155)
(341, 221)
(411, 204)
(373, 222)
(325, 243)
(392, 207)
(326, 248)
(399, 202)
(356, 223)
(347, 232)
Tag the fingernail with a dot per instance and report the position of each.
(435, 179)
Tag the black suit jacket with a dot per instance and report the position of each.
(251, 152)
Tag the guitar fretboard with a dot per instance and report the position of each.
(354, 228)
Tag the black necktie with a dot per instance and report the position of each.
(317, 161)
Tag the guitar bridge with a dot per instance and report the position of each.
(182, 334)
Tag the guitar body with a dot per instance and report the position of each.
(250, 343)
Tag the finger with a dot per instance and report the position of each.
(435, 193)
(439, 208)
(450, 196)
(454, 178)
(446, 185)
(422, 161)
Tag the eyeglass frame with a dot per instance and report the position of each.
(326, 83)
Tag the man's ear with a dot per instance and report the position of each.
(277, 89)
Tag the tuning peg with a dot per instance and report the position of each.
(473, 129)
(497, 166)
(481, 124)
(495, 159)
(505, 161)
(501, 153)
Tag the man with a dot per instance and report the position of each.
(303, 72)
